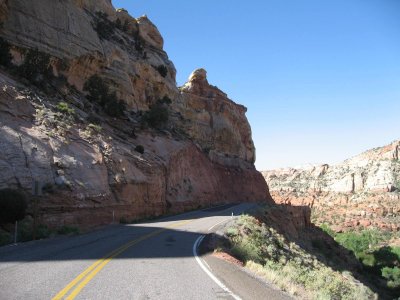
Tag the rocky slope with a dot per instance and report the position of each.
(363, 191)
(86, 160)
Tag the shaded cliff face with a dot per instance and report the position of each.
(203, 155)
(363, 191)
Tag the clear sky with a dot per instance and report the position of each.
(320, 79)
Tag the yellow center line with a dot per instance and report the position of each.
(87, 275)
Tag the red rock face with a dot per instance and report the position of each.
(190, 181)
(204, 155)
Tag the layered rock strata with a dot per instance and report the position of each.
(94, 174)
(361, 192)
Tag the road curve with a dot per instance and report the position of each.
(152, 260)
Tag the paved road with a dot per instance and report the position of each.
(153, 260)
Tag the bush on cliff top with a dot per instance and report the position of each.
(13, 206)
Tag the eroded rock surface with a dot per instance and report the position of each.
(203, 156)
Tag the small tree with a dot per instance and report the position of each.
(97, 89)
(100, 93)
(140, 149)
(157, 117)
(114, 107)
(13, 206)
(35, 66)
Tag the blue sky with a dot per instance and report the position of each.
(320, 79)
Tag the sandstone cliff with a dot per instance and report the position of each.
(363, 191)
(203, 154)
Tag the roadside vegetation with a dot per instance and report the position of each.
(13, 208)
(25, 231)
(372, 250)
(301, 273)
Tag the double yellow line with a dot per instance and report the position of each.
(86, 276)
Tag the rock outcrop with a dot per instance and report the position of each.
(91, 171)
(216, 123)
(363, 191)
(83, 39)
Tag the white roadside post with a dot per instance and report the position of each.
(15, 232)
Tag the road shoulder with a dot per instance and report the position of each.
(232, 274)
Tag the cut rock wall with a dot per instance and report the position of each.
(205, 156)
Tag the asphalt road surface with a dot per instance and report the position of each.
(152, 260)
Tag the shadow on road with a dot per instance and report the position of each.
(165, 237)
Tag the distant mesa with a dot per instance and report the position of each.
(361, 192)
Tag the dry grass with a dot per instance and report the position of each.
(288, 266)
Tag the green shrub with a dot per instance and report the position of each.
(5, 55)
(95, 127)
(387, 256)
(163, 70)
(43, 231)
(36, 66)
(289, 266)
(114, 107)
(157, 117)
(5, 237)
(139, 148)
(232, 231)
(325, 227)
(99, 92)
(393, 276)
(367, 259)
(25, 229)
(64, 108)
(123, 220)
(396, 251)
(103, 26)
(68, 230)
(13, 206)
(359, 242)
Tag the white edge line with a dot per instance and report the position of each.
(209, 229)
(211, 275)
